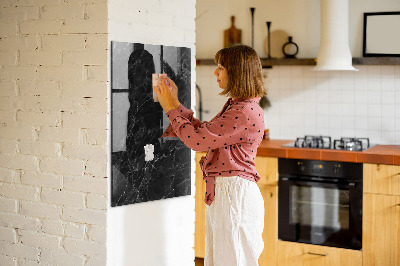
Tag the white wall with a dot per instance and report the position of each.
(158, 232)
(338, 104)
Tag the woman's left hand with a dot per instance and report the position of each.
(164, 94)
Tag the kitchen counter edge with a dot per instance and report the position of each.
(379, 154)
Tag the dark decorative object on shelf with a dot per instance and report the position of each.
(290, 49)
(269, 38)
(264, 103)
(252, 9)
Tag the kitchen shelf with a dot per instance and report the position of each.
(312, 61)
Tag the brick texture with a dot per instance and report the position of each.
(53, 121)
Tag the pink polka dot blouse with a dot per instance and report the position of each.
(231, 139)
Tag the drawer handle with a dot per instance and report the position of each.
(318, 254)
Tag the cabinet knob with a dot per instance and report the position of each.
(318, 254)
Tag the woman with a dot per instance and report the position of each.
(235, 207)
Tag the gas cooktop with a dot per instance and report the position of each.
(325, 142)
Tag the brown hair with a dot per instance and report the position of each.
(245, 78)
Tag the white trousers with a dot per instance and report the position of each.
(234, 223)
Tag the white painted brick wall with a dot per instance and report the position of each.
(53, 120)
(75, 230)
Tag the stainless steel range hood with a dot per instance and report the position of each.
(334, 51)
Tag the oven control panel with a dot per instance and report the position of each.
(330, 169)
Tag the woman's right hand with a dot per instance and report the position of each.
(174, 90)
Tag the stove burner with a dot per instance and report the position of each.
(351, 144)
(308, 141)
(324, 142)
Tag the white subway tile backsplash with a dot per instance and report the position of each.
(335, 95)
(322, 109)
(389, 136)
(374, 84)
(397, 94)
(347, 77)
(388, 84)
(374, 97)
(374, 123)
(348, 133)
(397, 133)
(322, 121)
(322, 82)
(310, 109)
(284, 72)
(286, 120)
(297, 83)
(361, 110)
(334, 109)
(348, 96)
(388, 97)
(374, 111)
(297, 72)
(360, 97)
(308, 72)
(348, 122)
(284, 83)
(388, 124)
(397, 72)
(397, 123)
(335, 122)
(322, 95)
(361, 123)
(375, 136)
(387, 72)
(334, 80)
(338, 104)
(388, 110)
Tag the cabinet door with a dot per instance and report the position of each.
(267, 168)
(200, 207)
(381, 230)
(381, 179)
(270, 233)
(297, 254)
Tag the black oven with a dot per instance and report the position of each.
(320, 202)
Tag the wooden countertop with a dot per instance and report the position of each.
(379, 154)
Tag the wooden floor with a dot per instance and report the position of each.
(199, 262)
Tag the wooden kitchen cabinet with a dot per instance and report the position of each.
(267, 168)
(381, 215)
(381, 179)
(200, 207)
(298, 254)
(270, 233)
(381, 230)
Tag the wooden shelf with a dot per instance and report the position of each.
(376, 61)
(312, 61)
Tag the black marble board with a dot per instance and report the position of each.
(137, 123)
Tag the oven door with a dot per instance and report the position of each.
(321, 212)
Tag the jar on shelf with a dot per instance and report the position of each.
(290, 49)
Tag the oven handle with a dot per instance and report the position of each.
(330, 184)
